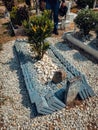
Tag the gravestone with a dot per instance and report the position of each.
(74, 85)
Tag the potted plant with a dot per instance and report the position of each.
(85, 20)
(38, 28)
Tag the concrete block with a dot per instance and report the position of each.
(72, 89)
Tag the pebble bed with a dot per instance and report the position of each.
(17, 111)
(45, 69)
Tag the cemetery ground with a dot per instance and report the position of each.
(16, 109)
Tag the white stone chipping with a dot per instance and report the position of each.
(45, 68)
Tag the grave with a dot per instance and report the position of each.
(65, 21)
(81, 42)
(51, 97)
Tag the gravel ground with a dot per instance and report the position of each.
(16, 110)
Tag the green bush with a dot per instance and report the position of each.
(19, 14)
(28, 2)
(22, 14)
(96, 31)
(85, 20)
(8, 4)
(96, 26)
(37, 29)
(84, 3)
(13, 15)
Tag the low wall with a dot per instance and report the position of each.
(88, 49)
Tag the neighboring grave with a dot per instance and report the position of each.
(70, 16)
(66, 21)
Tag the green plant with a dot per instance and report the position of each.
(37, 29)
(13, 15)
(8, 4)
(96, 26)
(22, 14)
(28, 2)
(96, 31)
(84, 3)
(19, 14)
(85, 20)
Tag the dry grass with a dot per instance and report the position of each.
(4, 32)
(4, 35)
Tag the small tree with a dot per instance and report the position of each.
(84, 3)
(13, 15)
(85, 20)
(96, 30)
(8, 4)
(37, 29)
(19, 14)
(96, 26)
(28, 2)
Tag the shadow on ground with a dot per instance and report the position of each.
(62, 46)
(14, 66)
(77, 56)
(94, 44)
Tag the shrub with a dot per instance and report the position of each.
(28, 2)
(8, 4)
(13, 15)
(96, 30)
(19, 14)
(85, 20)
(22, 14)
(84, 3)
(39, 28)
(96, 26)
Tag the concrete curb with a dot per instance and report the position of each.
(88, 49)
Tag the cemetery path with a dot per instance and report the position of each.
(4, 32)
(16, 109)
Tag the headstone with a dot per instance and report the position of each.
(70, 16)
(69, 7)
(73, 89)
(87, 7)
